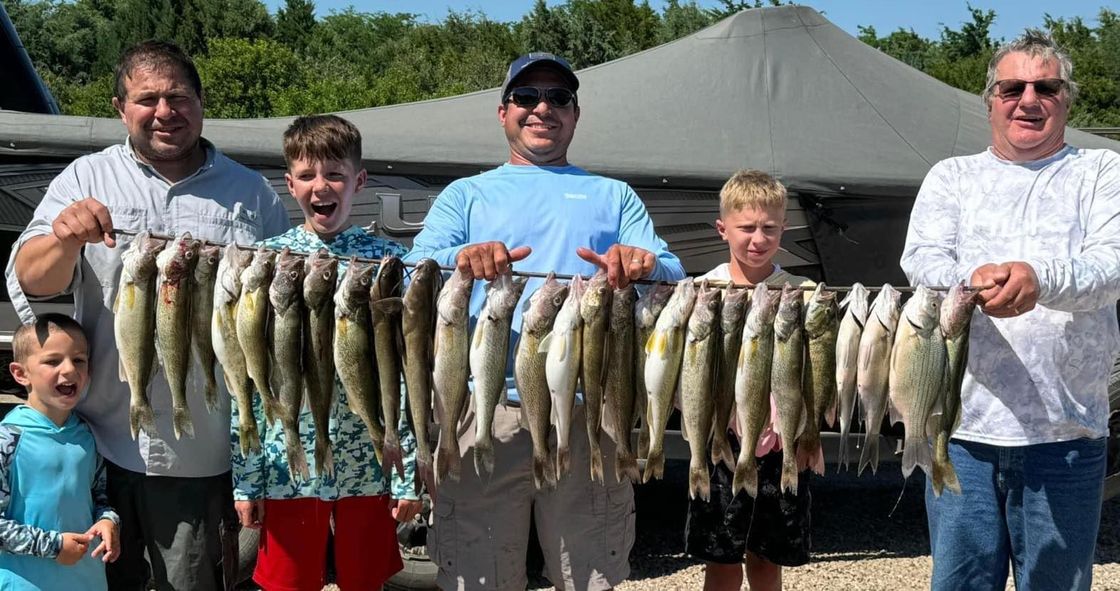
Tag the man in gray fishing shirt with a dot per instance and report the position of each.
(174, 496)
(1037, 220)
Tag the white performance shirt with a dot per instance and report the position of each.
(1040, 377)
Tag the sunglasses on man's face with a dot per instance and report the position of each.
(528, 97)
(1013, 88)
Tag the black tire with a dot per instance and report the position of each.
(419, 573)
(247, 541)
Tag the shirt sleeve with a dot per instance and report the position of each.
(445, 229)
(15, 537)
(1089, 280)
(276, 220)
(636, 229)
(929, 256)
(64, 190)
(100, 492)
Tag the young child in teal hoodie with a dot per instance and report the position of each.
(53, 503)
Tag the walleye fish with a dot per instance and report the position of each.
(917, 377)
(646, 311)
(563, 354)
(955, 321)
(202, 315)
(134, 323)
(418, 325)
(594, 309)
(663, 363)
(752, 383)
(822, 323)
(873, 370)
(451, 369)
(619, 393)
(353, 348)
(173, 324)
(529, 374)
(388, 345)
(320, 279)
(285, 294)
(732, 313)
(785, 379)
(698, 367)
(227, 292)
(489, 356)
(847, 353)
(252, 325)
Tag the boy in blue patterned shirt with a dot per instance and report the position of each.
(53, 502)
(323, 153)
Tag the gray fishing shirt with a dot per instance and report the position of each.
(1042, 376)
(222, 202)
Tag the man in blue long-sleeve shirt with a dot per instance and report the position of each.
(546, 215)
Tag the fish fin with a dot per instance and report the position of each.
(895, 414)
(563, 462)
(182, 422)
(625, 464)
(945, 476)
(249, 438)
(544, 474)
(916, 453)
(122, 374)
(392, 305)
(655, 465)
(842, 455)
(789, 472)
(699, 481)
(545, 344)
(830, 414)
(721, 451)
(142, 418)
(746, 474)
(324, 457)
(870, 455)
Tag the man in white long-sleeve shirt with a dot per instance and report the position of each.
(1040, 221)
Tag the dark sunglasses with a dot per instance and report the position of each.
(528, 97)
(1013, 88)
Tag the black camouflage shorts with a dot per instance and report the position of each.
(775, 526)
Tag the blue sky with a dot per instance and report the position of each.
(925, 17)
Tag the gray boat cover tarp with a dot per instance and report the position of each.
(779, 89)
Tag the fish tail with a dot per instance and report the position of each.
(916, 453)
(324, 456)
(484, 457)
(789, 473)
(699, 483)
(870, 455)
(425, 475)
(543, 476)
(944, 474)
(448, 461)
(810, 455)
(392, 456)
(626, 464)
(210, 391)
(181, 419)
(269, 409)
(297, 458)
(842, 456)
(141, 417)
(655, 465)
(563, 462)
(746, 476)
(248, 436)
(596, 464)
(721, 451)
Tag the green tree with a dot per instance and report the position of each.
(243, 78)
(678, 20)
(295, 23)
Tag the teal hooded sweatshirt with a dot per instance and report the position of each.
(49, 480)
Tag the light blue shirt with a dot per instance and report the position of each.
(1041, 377)
(222, 202)
(553, 210)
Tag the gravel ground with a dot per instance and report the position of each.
(858, 543)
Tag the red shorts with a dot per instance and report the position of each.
(293, 547)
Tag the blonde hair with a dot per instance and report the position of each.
(751, 189)
(29, 338)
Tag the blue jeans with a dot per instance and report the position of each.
(1036, 507)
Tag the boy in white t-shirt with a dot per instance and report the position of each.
(731, 532)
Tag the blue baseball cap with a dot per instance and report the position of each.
(539, 59)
